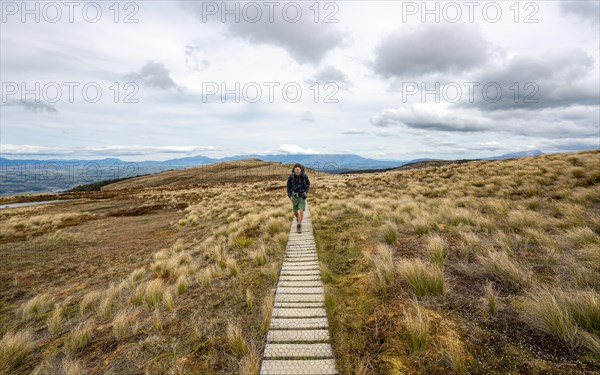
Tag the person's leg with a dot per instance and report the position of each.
(295, 208)
(300, 216)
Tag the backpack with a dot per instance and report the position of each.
(302, 174)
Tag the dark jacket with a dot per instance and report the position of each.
(296, 185)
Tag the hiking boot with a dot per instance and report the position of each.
(299, 228)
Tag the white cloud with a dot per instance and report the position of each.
(110, 150)
(295, 149)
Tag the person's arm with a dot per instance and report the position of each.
(307, 183)
(289, 187)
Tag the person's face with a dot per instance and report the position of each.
(297, 170)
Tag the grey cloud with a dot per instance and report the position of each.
(453, 146)
(330, 73)
(154, 74)
(41, 107)
(305, 40)
(194, 58)
(354, 132)
(585, 10)
(426, 119)
(558, 80)
(437, 48)
(571, 144)
(545, 123)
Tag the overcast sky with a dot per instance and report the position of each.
(499, 78)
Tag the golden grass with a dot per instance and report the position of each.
(89, 301)
(122, 324)
(249, 299)
(384, 271)
(390, 233)
(235, 339)
(543, 310)
(437, 250)
(250, 362)
(417, 327)
(56, 319)
(537, 219)
(36, 306)
(423, 278)
(266, 311)
(500, 267)
(153, 292)
(79, 337)
(14, 349)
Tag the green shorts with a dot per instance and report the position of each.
(299, 204)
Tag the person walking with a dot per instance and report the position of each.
(298, 185)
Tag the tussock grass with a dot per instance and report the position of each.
(326, 274)
(266, 311)
(384, 271)
(105, 307)
(543, 310)
(153, 292)
(36, 306)
(455, 359)
(249, 299)
(232, 266)
(437, 250)
(417, 327)
(584, 306)
(330, 298)
(168, 300)
(206, 276)
(14, 349)
(55, 320)
(72, 366)
(38, 224)
(423, 278)
(157, 323)
(470, 245)
(390, 233)
(583, 236)
(136, 276)
(166, 268)
(276, 225)
(259, 256)
(179, 246)
(235, 339)
(182, 284)
(250, 362)
(150, 293)
(89, 301)
(79, 337)
(121, 324)
(500, 267)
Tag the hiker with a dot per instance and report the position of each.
(297, 191)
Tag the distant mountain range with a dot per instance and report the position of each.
(323, 162)
(34, 175)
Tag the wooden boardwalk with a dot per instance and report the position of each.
(298, 341)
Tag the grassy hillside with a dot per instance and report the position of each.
(161, 280)
(483, 267)
(229, 172)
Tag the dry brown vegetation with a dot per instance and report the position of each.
(481, 267)
(151, 279)
(497, 267)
